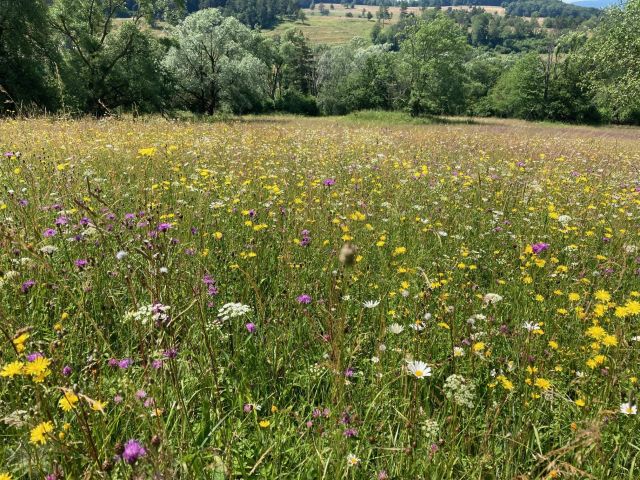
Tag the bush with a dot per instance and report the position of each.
(297, 103)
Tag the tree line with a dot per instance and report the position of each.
(100, 57)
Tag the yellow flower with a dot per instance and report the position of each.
(610, 341)
(603, 295)
(596, 332)
(12, 369)
(21, 339)
(553, 344)
(147, 152)
(542, 383)
(633, 307)
(478, 346)
(68, 401)
(5, 476)
(264, 423)
(399, 251)
(574, 297)
(38, 369)
(97, 405)
(506, 383)
(580, 402)
(39, 433)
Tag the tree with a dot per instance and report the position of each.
(434, 56)
(520, 90)
(214, 65)
(94, 50)
(26, 57)
(612, 63)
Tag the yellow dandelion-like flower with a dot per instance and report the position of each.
(69, 401)
(264, 423)
(602, 295)
(542, 383)
(5, 476)
(610, 341)
(97, 405)
(39, 433)
(12, 369)
(147, 152)
(596, 332)
(621, 312)
(38, 369)
(505, 382)
(633, 307)
(479, 346)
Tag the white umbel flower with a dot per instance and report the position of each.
(233, 310)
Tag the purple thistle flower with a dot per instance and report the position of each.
(62, 220)
(350, 433)
(251, 327)
(539, 247)
(304, 299)
(163, 227)
(328, 182)
(81, 263)
(133, 450)
(32, 356)
(49, 232)
(140, 394)
(125, 363)
(66, 370)
(26, 286)
(170, 353)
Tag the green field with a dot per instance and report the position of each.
(369, 297)
(337, 28)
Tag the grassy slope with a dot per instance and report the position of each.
(337, 28)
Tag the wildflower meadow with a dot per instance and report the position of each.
(289, 298)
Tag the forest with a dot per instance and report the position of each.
(103, 57)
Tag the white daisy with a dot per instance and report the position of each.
(531, 327)
(352, 460)
(419, 369)
(371, 303)
(628, 409)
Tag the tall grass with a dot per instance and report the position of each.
(255, 299)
